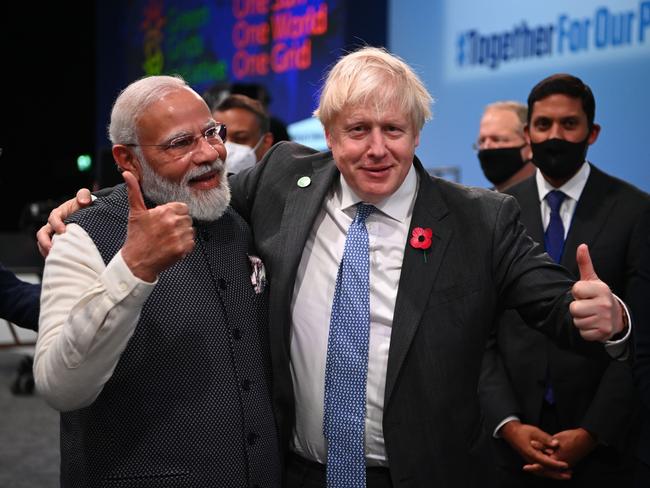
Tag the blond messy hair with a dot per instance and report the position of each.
(373, 77)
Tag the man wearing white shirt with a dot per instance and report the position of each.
(388, 230)
(531, 390)
(375, 384)
(430, 299)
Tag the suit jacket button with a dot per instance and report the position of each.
(252, 437)
(236, 333)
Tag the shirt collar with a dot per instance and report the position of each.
(572, 188)
(397, 206)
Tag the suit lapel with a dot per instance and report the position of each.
(417, 276)
(531, 215)
(302, 206)
(589, 217)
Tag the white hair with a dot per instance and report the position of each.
(205, 206)
(133, 100)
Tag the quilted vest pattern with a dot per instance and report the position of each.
(189, 401)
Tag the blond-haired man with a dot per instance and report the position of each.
(383, 283)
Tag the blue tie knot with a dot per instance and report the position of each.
(555, 199)
(363, 210)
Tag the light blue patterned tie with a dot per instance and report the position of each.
(554, 244)
(347, 361)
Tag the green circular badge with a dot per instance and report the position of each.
(304, 181)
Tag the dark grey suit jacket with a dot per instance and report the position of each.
(480, 261)
(640, 309)
(591, 392)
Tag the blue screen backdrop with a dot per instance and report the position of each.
(473, 53)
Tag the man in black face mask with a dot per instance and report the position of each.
(543, 404)
(503, 151)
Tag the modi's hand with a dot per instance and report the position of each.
(157, 237)
(595, 310)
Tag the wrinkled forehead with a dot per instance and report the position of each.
(376, 110)
(388, 107)
(175, 101)
(176, 111)
(499, 120)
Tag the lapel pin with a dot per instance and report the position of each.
(304, 181)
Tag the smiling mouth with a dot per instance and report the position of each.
(209, 179)
(204, 176)
(374, 170)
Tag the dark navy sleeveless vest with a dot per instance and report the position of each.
(188, 404)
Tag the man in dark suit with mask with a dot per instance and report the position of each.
(530, 389)
(503, 151)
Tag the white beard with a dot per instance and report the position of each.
(205, 205)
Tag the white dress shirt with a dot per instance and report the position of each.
(388, 231)
(572, 189)
(85, 326)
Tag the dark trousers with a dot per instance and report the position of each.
(303, 473)
(581, 479)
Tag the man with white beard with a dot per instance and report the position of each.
(153, 326)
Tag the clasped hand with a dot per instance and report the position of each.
(549, 456)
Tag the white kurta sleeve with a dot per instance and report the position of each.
(88, 314)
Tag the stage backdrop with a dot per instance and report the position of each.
(286, 45)
(472, 53)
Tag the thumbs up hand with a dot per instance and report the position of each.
(156, 238)
(596, 313)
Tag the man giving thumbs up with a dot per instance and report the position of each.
(153, 339)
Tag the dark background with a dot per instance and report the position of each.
(62, 66)
(47, 105)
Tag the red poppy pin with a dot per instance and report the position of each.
(421, 239)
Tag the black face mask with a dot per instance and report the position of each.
(558, 158)
(500, 164)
